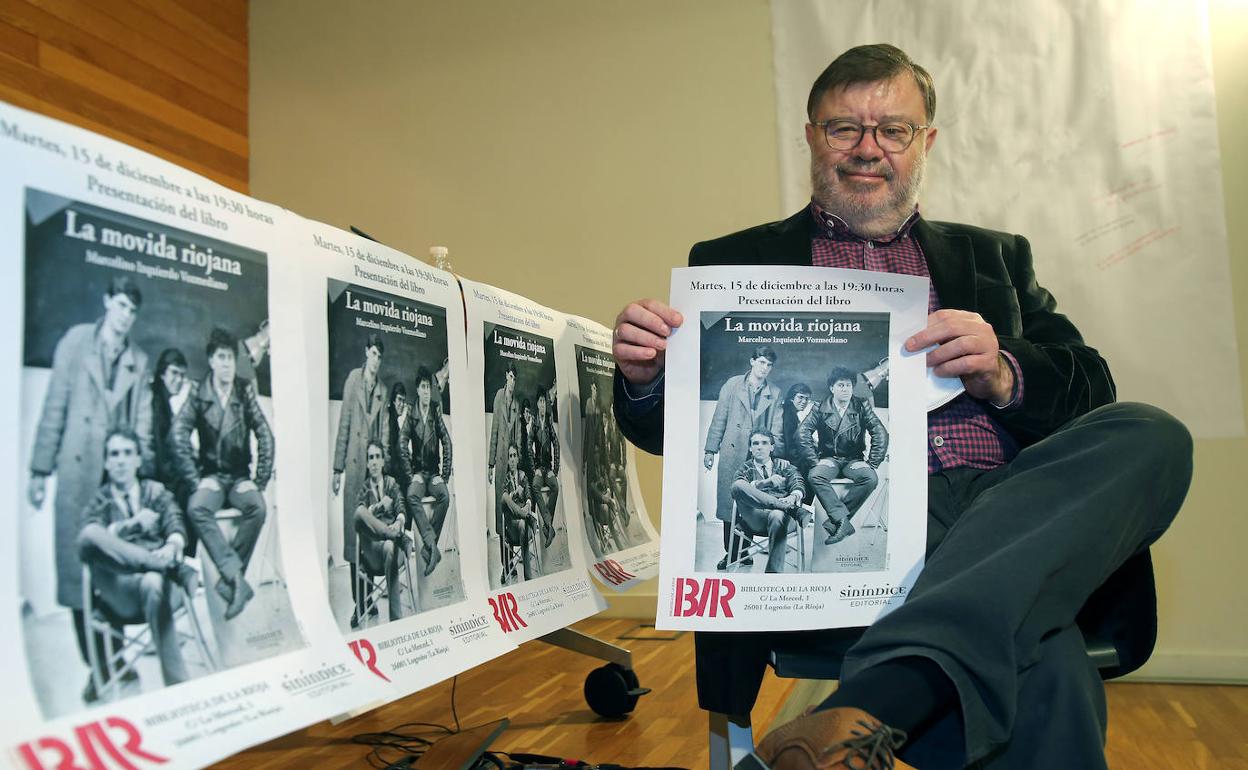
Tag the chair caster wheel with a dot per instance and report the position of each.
(612, 690)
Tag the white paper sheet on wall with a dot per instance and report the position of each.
(1089, 128)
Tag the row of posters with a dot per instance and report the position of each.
(267, 471)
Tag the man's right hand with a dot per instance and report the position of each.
(337, 481)
(639, 342)
(147, 520)
(37, 491)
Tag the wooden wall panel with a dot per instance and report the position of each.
(167, 76)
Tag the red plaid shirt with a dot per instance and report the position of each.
(962, 433)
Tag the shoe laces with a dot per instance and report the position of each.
(872, 750)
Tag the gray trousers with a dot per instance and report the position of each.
(1013, 555)
(119, 570)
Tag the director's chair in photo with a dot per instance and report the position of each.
(268, 564)
(513, 548)
(745, 544)
(875, 506)
(121, 648)
(370, 587)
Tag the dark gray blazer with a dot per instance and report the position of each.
(974, 269)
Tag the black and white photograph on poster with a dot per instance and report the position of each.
(528, 538)
(393, 538)
(620, 542)
(794, 418)
(794, 421)
(148, 447)
(612, 516)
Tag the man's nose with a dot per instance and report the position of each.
(867, 148)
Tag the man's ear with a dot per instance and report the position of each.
(812, 133)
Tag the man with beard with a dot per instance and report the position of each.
(984, 662)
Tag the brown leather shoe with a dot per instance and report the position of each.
(835, 739)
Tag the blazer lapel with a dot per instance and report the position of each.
(791, 243)
(951, 263)
(125, 378)
(362, 395)
(233, 409)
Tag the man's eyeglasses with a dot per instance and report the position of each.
(891, 137)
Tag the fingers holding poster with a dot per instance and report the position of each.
(146, 427)
(523, 456)
(395, 549)
(788, 419)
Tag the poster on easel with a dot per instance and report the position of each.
(161, 573)
(621, 543)
(535, 560)
(405, 575)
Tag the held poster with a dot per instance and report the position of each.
(621, 543)
(795, 481)
(158, 406)
(535, 559)
(406, 581)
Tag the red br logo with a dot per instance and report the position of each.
(612, 572)
(367, 655)
(507, 613)
(113, 739)
(703, 598)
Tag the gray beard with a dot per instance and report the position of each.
(867, 221)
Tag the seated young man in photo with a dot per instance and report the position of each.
(768, 493)
(545, 462)
(132, 539)
(425, 444)
(520, 520)
(604, 506)
(225, 413)
(380, 522)
(842, 422)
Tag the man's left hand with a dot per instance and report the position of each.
(966, 347)
(168, 553)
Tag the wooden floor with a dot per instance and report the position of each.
(1161, 727)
